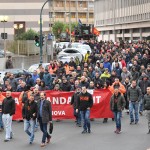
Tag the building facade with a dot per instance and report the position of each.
(71, 11)
(22, 15)
(122, 19)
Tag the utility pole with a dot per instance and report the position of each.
(41, 34)
(70, 19)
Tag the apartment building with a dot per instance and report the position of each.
(72, 10)
(122, 19)
(22, 15)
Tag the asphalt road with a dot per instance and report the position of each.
(67, 136)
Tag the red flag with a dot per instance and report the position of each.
(73, 33)
(96, 32)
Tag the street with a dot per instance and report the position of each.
(67, 136)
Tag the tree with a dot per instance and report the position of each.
(29, 35)
(66, 27)
(58, 28)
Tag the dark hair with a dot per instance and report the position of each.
(43, 83)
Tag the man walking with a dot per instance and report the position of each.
(117, 104)
(29, 114)
(147, 107)
(84, 104)
(44, 117)
(134, 97)
(74, 103)
(8, 109)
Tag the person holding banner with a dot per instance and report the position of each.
(84, 104)
(8, 109)
(117, 104)
(44, 116)
(29, 114)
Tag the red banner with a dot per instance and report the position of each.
(61, 108)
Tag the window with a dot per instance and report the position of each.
(127, 31)
(19, 28)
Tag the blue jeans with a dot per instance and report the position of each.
(85, 116)
(1, 121)
(141, 104)
(29, 124)
(43, 127)
(117, 117)
(78, 116)
(134, 106)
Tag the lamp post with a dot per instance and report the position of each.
(4, 19)
(41, 51)
(70, 19)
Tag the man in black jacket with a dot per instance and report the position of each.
(74, 103)
(84, 104)
(117, 104)
(29, 114)
(8, 109)
(44, 116)
(147, 107)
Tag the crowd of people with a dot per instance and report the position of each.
(122, 67)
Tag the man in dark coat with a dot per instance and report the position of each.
(44, 116)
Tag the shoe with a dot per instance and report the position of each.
(115, 131)
(105, 120)
(30, 143)
(113, 119)
(48, 139)
(89, 131)
(148, 132)
(43, 144)
(141, 113)
(79, 125)
(118, 132)
(11, 135)
(131, 122)
(84, 131)
(6, 140)
(92, 119)
(136, 122)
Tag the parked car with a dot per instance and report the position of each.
(8, 53)
(71, 52)
(35, 66)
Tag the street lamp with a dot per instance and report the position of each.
(4, 19)
(41, 51)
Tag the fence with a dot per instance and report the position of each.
(26, 48)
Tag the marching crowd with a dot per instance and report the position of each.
(122, 67)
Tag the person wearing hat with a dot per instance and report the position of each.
(74, 104)
(47, 78)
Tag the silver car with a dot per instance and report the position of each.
(68, 53)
